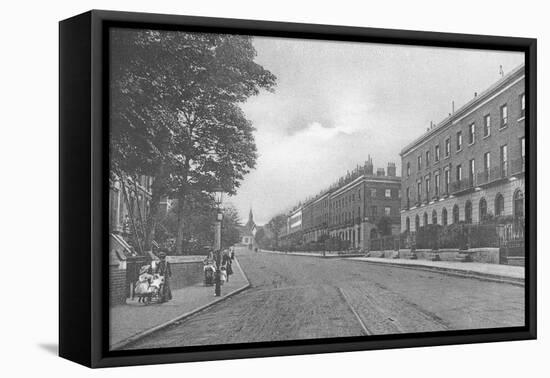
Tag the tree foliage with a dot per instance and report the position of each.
(176, 116)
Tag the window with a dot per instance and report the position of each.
(458, 172)
(373, 211)
(388, 193)
(408, 195)
(519, 206)
(425, 219)
(487, 125)
(472, 171)
(373, 193)
(503, 116)
(408, 224)
(486, 161)
(499, 205)
(416, 222)
(419, 162)
(408, 168)
(387, 211)
(482, 210)
(522, 147)
(437, 153)
(444, 217)
(522, 105)
(504, 160)
(447, 180)
(434, 217)
(458, 141)
(419, 191)
(456, 214)
(447, 147)
(468, 212)
(472, 133)
(427, 189)
(436, 183)
(427, 158)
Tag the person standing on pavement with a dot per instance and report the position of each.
(163, 269)
(226, 260)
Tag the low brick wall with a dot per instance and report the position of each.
(482, 255)
(186, 274)
(117, 285)
(186, 271)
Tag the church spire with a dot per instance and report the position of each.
(250, 218)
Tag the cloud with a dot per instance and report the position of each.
(336, 103)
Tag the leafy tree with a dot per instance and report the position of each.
(230, 227)
(175, 113)
(384, 225)
(263, 240)
(275, 226)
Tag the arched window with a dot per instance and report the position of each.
(425, 219)
(482, 209)
(373, 233)
(434, 217)
(519, 204)
(468, 212)
(456, 214)
(416, 222)
(408, 224)
(499, 205)
(444, 217)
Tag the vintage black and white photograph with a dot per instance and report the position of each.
(269, 189)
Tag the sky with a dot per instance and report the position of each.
(336, 103)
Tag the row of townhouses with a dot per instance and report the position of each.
(467, 168)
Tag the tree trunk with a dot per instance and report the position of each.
(181, 225)
(158, 189)
(181, 210)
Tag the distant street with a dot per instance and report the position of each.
(296, 297)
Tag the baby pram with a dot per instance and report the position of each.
(209, 272)
(148, 288)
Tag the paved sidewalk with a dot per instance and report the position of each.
(327, 254)
(508, 273)
(134, 320)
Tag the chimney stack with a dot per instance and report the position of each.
(391, 169)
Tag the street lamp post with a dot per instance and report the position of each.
(218, 198)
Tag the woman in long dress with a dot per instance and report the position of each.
(163, 268)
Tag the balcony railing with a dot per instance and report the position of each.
(518, 166)
(496, 173)
(462, 185)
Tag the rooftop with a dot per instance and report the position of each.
(516, 73)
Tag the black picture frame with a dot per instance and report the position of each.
(83, 140)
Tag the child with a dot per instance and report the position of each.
(142, 285)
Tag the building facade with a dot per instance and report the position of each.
(470, 167)
(122, 206)
(351, 210)
(294, 223)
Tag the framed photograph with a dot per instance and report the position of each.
(235, 189)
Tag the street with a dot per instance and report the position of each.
(295, 297)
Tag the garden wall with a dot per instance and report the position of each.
(482, 255)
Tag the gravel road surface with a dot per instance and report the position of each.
(294, 297)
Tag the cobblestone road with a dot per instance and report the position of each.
(296, 297)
